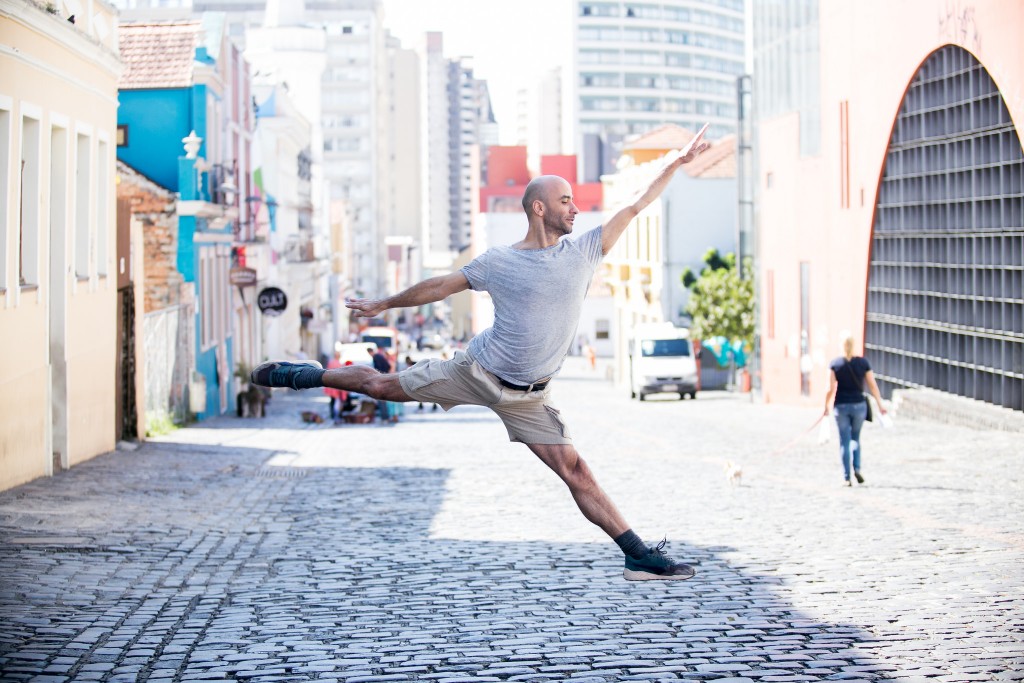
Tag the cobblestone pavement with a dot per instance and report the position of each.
(434, 550)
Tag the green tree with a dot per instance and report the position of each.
(721, 304)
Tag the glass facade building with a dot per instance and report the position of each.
(639, 65)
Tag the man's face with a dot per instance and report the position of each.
(559, 209)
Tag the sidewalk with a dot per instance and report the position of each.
(434, 550)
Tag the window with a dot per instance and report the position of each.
(58, 202)
(102, 208)
(601, 328)
(641, 57)
(29, 202)
(664, 347)
(642, 81)
(844, 154)
(600, 80)
(5, 155)
(82, 163)
(122, 135)
(206, 297)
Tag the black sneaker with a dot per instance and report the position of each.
(282, 373)
(860, 479)
(656, 565)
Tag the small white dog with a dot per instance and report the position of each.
(733, 473)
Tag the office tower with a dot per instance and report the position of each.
(640, 65)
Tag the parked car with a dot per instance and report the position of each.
(356, 352)
(432, 340)
(661, 360)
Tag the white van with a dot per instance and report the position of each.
(661, 360)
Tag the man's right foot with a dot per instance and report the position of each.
(284, 374)
(656, 565)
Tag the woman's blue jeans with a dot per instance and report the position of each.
(850, 418)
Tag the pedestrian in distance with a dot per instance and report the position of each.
(538, 286)
(380, 361)
(848, 375)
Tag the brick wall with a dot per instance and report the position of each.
(154, 207)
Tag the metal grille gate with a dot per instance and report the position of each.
(945, 304)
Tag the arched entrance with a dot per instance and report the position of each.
(945, 305)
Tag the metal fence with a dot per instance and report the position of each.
(946, 294)
(169, 357)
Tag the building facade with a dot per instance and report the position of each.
(638, 65)
(58, 271)
(889, 181)
(185, 121)
(696, 212)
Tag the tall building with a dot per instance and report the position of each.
(638, 65)
(539, 117)
(896, 213)
(458, 126)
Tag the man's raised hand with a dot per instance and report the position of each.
(693, 148)
(366, 308)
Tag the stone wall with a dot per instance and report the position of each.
(155, 208)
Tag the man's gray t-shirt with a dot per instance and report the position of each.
(538, 295)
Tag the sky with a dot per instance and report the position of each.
(512, 42)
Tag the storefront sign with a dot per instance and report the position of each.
(242, 277)
(272, 301)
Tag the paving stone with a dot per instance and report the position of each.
(435, 550)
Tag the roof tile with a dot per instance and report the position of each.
(158, 55)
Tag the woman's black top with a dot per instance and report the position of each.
(850, 376)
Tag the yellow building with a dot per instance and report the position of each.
(58, 132)
(696, 212)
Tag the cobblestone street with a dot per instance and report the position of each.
(435, 550)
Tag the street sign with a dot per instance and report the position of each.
(272, 301)
(243, 277)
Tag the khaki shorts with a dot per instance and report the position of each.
(528, 417)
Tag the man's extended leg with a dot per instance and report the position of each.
(359, 378)
(591, 499)
(643, 563)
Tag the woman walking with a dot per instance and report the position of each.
(849, 374)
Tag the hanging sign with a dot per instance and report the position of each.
(272, 301)
(243, 277)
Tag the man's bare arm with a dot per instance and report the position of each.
(426, 292)
(614, 227)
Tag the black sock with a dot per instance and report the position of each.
(308, 378)
(632, 544)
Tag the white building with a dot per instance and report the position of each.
(540, 117)
(282, 152)
(639, 65)
(457, 126)
(697, 211)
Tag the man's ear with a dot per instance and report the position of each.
(538, 207)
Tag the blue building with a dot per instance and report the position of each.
(185, 121)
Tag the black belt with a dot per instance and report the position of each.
(537, 386)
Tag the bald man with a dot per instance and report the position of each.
(537, 286)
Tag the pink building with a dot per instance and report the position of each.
(889, 195)
(508, 175)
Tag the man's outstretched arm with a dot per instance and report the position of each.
(614, 227)
(426, 292)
